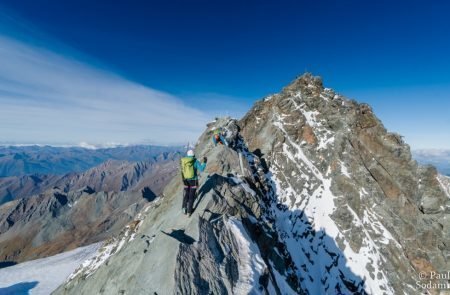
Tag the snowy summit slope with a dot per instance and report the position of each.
(351, 198)
(312, 196)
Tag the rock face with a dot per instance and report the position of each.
(79, 209)
(312, 196)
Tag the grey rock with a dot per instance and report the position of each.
(327, 201)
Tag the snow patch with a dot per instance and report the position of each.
(244, 185)
(91, 265)
(251, 265)
(363, 193)
(324, 97)
(344, 170)
(48, 273)
(268, 98)
(282, 284)
(112, 246)
(444, 181)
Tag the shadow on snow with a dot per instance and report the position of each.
(19, 289)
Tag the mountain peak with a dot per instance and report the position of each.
(305, 81)
(311, 196)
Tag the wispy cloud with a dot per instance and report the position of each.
(47, 97)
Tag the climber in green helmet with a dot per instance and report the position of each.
(190, 167)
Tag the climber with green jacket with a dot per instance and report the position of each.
(190, 167)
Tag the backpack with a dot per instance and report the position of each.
(218, 131)
(187, 167)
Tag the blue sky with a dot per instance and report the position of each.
(218, 57)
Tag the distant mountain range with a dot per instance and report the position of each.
(112, 175)
(55, 221)
(438, 158)
(54, 199)
(26, 160)
(51, 214)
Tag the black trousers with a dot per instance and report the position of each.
(190, 189)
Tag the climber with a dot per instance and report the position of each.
(218, 137)
(190, 167)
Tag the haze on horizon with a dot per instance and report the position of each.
(147, 72)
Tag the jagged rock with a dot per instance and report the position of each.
(339, 209)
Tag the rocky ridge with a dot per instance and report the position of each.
(313, 196)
